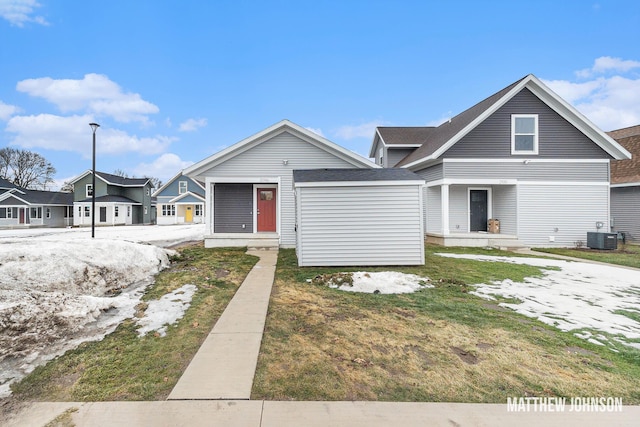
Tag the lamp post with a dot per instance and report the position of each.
(94, 128)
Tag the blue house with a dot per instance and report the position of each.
(180, 201)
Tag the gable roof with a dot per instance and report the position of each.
(8, 185)
(270, 132)
(450, 132)
(178, 175)
(39, 197)
(405, 137)
(627, 171)
(185, 195)
(117, 180)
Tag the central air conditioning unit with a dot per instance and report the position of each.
(596, 240)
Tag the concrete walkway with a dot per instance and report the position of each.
(225, 364)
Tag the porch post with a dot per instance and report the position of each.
(444, 203)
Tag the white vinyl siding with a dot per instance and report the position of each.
(433, 210)
(505, 208)
(266, 160)
(459, 209)
(367, 225)
(564, 213)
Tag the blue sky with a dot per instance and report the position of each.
(173, 82)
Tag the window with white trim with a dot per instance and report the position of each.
(115, 211)
(128, 211)
(168, 210)
(87, 211)
(524, 134)
(89, 190)
(48, 211)
(9, 213)
(198, 210)
(182, 187)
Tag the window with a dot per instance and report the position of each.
(87, 211)
(147, 191)
(524, 134)
(36, 213)
(48, 212)
(9, 213)
(198, 210)
(266, 195)
(145, 210)
(89, 190)
(182, 187)
(79, 210)
(128, 211)
(168, 210)
(3, 212)
(115, 211)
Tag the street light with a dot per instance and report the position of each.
(94, 128)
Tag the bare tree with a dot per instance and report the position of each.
(120, 172)
(67, 187)
(26, 168)
(155, 182)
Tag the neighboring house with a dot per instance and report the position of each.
(180, 201)
(119, 200)
(522, 156)
(249, 185)
(21, 207)
(625, 185)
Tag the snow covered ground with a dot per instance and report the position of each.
(586, 298)
(59, 287)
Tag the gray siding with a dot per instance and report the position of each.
(372, 225)
(432, 173)
(433, 210)
(571, 209)
(557, 137)
(266, 160)
(505, 207)
(172, 189)
(458, 209)
(625, 208)
(534, 171)
(394, 155)
(233, 208)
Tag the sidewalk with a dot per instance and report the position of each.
(225, 364)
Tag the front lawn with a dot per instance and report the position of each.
(627, 255)
(438, 344)
(124, 366)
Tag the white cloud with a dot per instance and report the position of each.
(317, 131)
(164, 167)
(191, 125)
(605, 64)
(18, 12)
(7, 110)
(73, 133)
(94, 92)
(364, 130)
(610, 102)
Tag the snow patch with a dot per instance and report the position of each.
(576, 296)
(166, 311)
(385, 282)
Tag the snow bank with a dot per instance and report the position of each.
(385, 282)
(579, 296)
(54, 294)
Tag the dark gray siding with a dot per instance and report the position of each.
(534, 171)
(394, 155)
(625, 205)
(557, 137)
(232, 205)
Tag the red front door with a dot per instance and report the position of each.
(266, 209)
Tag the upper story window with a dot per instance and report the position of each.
(182, 187)
(524, 134)
(89, 190)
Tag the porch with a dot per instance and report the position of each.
(476, 239)
(250, 240)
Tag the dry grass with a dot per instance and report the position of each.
(324, 344)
